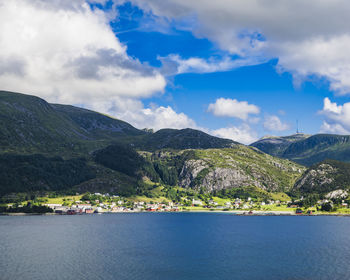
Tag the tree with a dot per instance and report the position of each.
(327, 207)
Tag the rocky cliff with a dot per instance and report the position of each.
(324, 177)
(240, 166)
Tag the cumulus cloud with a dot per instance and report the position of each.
(65, 52)
(226, 107)
(155, 117)
(273, 123)
(337, 117)
(295, 32)
(242, 134)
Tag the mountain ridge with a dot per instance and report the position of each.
(108, 154)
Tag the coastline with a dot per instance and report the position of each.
(234, 213)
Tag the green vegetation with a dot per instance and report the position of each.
(180, 140)
(28, 173)
(126, 160)
(49, 151)
(274, 174)
(307, 150)
(276, 146)
(324, 177)
(26, 209)
(254, 193)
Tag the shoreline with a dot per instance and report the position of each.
(234, 213)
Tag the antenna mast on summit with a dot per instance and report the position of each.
(297, 127)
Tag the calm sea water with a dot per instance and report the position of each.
(174, 246)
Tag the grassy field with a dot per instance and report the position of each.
(221, 201)
(147, 199)
(276, 208)
(60, 200)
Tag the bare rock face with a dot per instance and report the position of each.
(217, 170)
(190, 171)
(342, 194)
(318, 177)
(226, 178)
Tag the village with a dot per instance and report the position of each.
(105, 203)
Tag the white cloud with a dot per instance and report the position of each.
(337, 117)
(174, 64)
(65, 52)
(156, 117)
(273, 123)
(242, 134)
(308, 37)
(232, 108)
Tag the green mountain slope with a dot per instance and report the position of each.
(307, 150)
(181, 139)
(240, 166)
(28, 173)
(276, 146)
(324, 177)
(30, 122)
(319, 147)
(96, 125)
(52, 147)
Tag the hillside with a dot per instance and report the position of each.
(51, 147)
(324, 177)
(307, 150)
(96, 125)
(241, 166)
(276, 146)
(181, 139)
(318, 148)
(30, 124)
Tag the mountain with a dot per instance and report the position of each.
(51, 147)
(318, 148)
(276, 146)
(307, 150)
(30, 124)
(181, 139)
(96, 125)
(324, 177)
(240, 166)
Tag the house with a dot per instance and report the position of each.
(197, 202)
(117, 209)
(53, 205)
(61, 209)
(71, 212)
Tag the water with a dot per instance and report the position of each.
(174, 246)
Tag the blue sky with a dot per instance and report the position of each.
(235, 69)
(191, 93)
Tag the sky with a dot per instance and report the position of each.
(238, 69)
